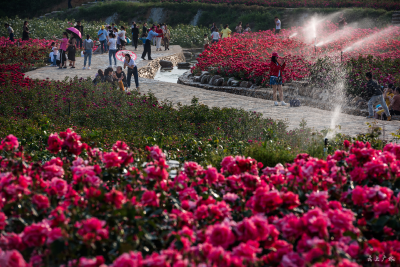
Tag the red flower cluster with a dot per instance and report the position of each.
(312, 212)
(247, 56)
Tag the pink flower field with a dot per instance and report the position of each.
(87, 207)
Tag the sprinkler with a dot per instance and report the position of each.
(325, 147)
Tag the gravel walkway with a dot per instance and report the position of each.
(315, 118)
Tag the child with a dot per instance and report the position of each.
(10, 31)
(206, 42)
(55, 52)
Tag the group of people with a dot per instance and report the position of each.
(389, 98)
(118, 78)
(25, 31)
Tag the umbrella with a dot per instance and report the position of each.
(120, 55)
(75, 32)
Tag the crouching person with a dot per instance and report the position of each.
(374, 94)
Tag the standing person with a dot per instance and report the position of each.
(342, 22)
(247, 29)
(277, 25)
(71, 52)
(113, 26)
(63, 48)
(167, 36)
(395, 104)
(135, 36)
(121, 35)
(112, 44)
(239, 27)
(226, 32)
(144, 28)
(102, 33)
(159, 31)
(147, 47)
(25, 32)
(115, 30)
(55, 53)
(79, 27)
(213, 28)
(10, 32)
(206, 42)
(143, 38)
(275, 73)
(215, 36)
(374, 94)
(132, 69)
(88, 46)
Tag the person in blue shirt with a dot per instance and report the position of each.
(147, 46)
(103, 39)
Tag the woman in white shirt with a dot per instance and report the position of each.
(215, 36)
(112, 44)
(121, 35)
(132, 69)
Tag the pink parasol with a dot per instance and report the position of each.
(120, 55)
(75, 32)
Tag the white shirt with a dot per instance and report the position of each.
(51, 55)
(123, 35)
(131, 63)
(278, 24)
(113, 43)
(215, 35)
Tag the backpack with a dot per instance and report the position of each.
(295, 103)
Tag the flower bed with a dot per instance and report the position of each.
(87, 207)
(387, 4)
(247, 56)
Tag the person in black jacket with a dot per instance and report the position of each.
(79, 27)
(135, 36)
(374, 94)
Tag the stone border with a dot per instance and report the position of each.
(313, 97)
(150, 70)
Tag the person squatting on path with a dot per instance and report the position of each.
(112, 44)
(88, 46)
(10, 31)
(374, 94)
(275, 73)
(147, 46)
(132, 69)
(120, 78)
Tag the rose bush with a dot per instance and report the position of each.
(309, 212)
(308, 51)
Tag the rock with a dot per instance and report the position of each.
(205, 79)
(218, 82)
(196, 79)
(204, 73)
(187, 54)
(166, 68)
(184, 65)
(230, 80)
(214, 78)
(166, 64)
(245, 84)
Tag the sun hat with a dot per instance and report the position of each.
(379, 106)
(102, 27)
(274, 54)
